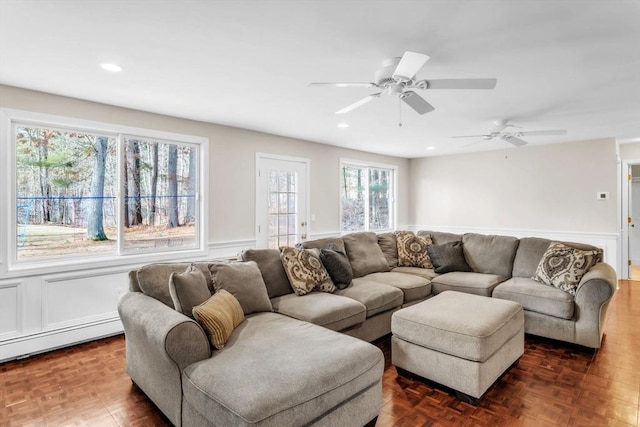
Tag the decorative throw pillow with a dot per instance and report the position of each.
(219, 316)
(563, 266)
(448, 257)
(305, 270)
(337, 265)
(412, 250)
(244, 281)
(188, 289)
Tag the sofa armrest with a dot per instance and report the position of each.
(160, 343)
(593, 295)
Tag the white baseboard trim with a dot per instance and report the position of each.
(32, 344)
(609, 242)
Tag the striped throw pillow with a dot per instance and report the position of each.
(219, 316)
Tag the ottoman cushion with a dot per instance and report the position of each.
(467, 326)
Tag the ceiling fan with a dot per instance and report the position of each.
(500, 130)
(397, 77)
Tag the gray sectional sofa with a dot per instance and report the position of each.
(300, 364)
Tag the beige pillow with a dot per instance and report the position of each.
(188, 289)
(244, 281)
(219, 316)
(563, 266)
(412, 250)
(305, 270)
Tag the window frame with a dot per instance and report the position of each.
(11, 266)
(393, 206)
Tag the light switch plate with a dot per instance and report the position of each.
(602, 195)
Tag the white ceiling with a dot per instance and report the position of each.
(571, 65)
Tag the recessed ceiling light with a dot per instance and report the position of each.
(431, 148)
(111, 67)
(343, 125)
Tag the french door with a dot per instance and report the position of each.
(281, 200)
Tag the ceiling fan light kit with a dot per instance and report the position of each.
(397, 77)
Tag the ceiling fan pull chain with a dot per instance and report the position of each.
(399, 112)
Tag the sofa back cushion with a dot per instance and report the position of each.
(273, 273)
(364, 253)
(153, 279)
(490, 254)
(530, 252)
(323, 243)
(441, 237)
(389, 246)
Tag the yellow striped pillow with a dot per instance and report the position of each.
(219, 315)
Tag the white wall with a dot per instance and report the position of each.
(547, 191)
(549, 187)
(45, 311)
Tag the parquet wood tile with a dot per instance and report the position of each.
(553, 384)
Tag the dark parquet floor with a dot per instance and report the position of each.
(553, 384)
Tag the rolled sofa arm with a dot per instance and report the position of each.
(160, 343)
(593, 295)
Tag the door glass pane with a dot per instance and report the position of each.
(282, 226)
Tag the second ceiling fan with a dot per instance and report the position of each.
(398, 77)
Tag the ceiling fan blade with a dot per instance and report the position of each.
(358, 103)
(409, 65)
(343, 84)
(461, 84)
(514, 140)
(543, 132)
(416, 102)
(472, 136)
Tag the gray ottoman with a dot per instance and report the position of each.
(462, 341)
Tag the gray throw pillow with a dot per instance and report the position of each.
(244, 281)
(337, 265)
(188, 289)
(448, 257)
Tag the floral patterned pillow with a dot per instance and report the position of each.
(563, 266)
(412, 250)
(305, 270)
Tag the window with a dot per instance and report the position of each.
(93, 189)
(367, 197)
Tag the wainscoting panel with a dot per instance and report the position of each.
(69, 301)
(11, 309)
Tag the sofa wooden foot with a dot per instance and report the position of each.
(466, 398)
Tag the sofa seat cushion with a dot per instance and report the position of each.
(426, 273)
(331, 311)
(466, 326)
(376, 296)
(414, 287)
(471, 283)
(276, 370)
(536, 296)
